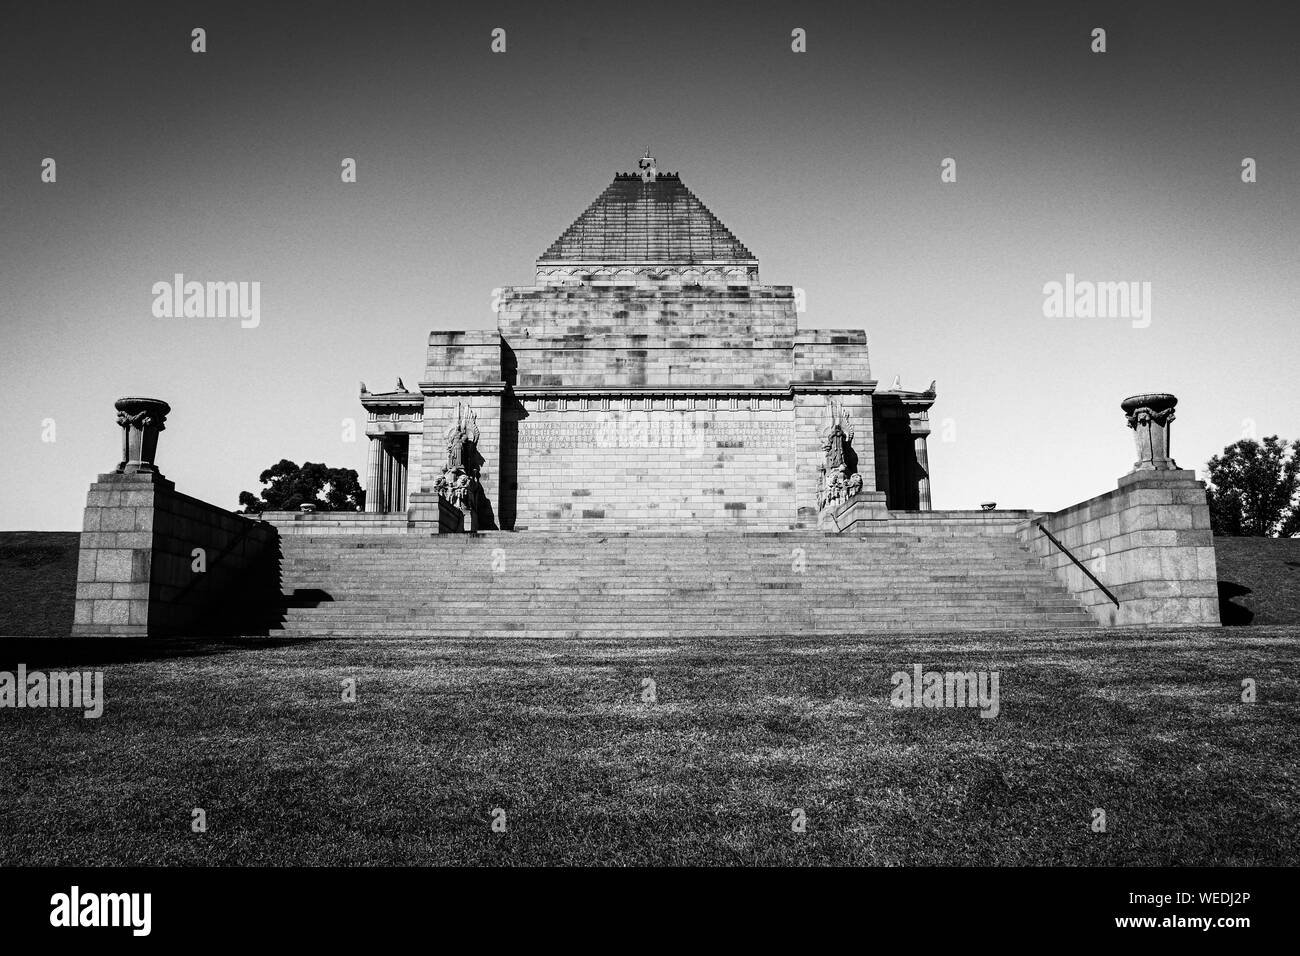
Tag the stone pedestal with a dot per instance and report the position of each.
(154, 562)
(865, 506)
(1150, 416)
(431, 513)
(115, 561)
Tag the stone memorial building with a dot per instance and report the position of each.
(648, 379)
(681, 459)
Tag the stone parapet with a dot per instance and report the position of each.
(830, 355)
(463, 358)
(336, 522)
(1148, 542)
(431, 513)
(865, 510)
(156, 562)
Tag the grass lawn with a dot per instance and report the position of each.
(1259, 580)
(1148, 726)
(38, 581)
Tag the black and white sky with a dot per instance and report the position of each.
(1116, 166)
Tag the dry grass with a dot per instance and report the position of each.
(1148, 726)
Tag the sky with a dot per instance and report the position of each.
(225, 166)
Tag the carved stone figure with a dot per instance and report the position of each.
(462, 439)
(840, 478)
(459, 481)
(460, 489)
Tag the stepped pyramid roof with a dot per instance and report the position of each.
(648, 217)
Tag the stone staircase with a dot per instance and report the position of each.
(647, 586)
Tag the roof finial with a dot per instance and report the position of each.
(649, 172)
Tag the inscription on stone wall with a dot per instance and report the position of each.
(654, 433)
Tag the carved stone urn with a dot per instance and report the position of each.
(141, 419)
(1150, 415)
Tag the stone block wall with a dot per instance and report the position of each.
(825, 356)
(613, 468)
(1148, 541)
(812, 414)
(136, 576)
(758, 311)
(622, 407)
(461, 358)
(625, 338)
(463, 369)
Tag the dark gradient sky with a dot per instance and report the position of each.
(225, 166)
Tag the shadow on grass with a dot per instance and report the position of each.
(1233, 615)
(47, 652)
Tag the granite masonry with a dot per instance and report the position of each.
(156, 562)
(646, 446)
(649, 380)
(1143, 553)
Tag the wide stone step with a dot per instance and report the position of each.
(874, 611)
(621, 632)
(867, 616)
(712, 563)
(929, 574)
(669, 606)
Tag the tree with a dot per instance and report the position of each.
(288, 486)
(1252, 488)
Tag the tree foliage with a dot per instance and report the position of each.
(288, 486)
(1253, 486)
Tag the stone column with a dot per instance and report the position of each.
(141, 420)
(399, 503)
(1150, 415)
(923, 473)
(372, 474)
(393, 473)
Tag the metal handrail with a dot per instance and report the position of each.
(1079, 564)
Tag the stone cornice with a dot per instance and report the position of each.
(689, 391)
(482, 388)
(910, 399)
(829, 388)
(392, 399)
(678, 264)
(380, 429)
(679, 391)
